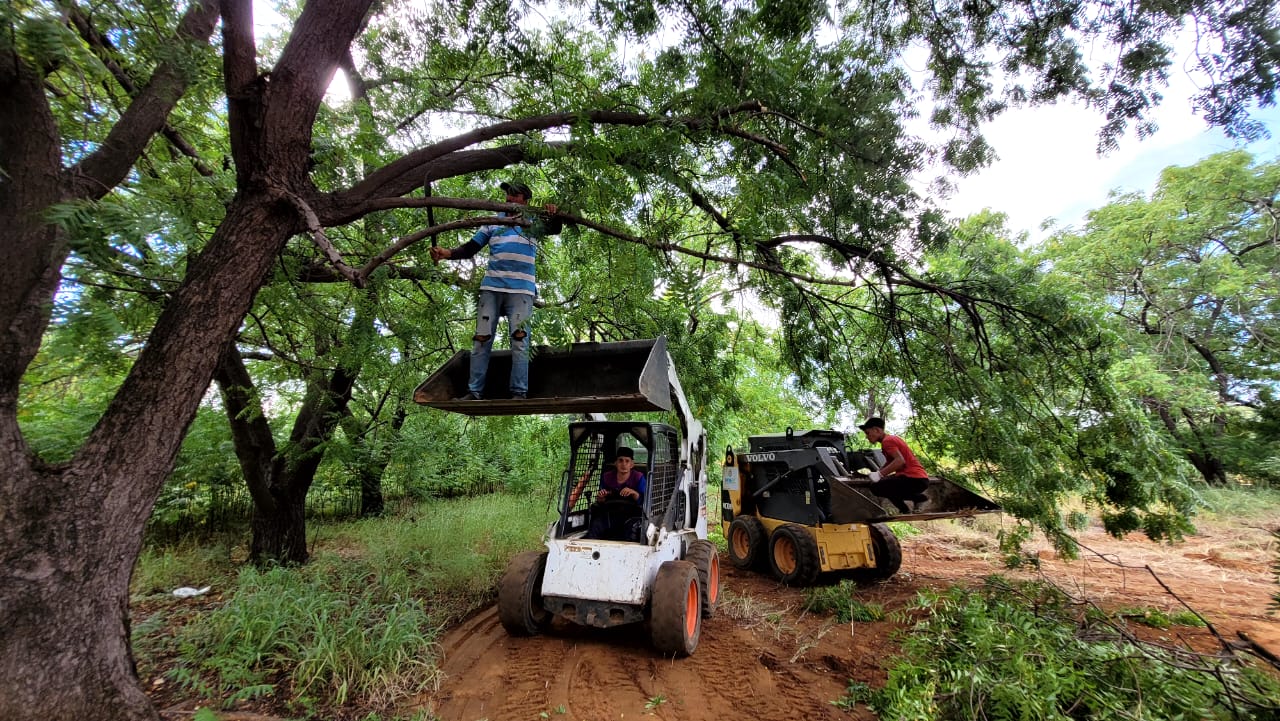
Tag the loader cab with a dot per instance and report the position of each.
(848, 460)
(593, 449)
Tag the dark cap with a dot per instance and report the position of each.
(624, 452)
(515, 187)
(873, 422)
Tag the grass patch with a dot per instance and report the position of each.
(1024, 651)
(321, 637)
(357, 627)
(838, 601)
(160, 569)
(1240, 503)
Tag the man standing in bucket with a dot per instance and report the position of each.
(901, 478)
(507, 290)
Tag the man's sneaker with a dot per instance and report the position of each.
(470, 396)
(518, 396)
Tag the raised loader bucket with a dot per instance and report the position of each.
(583, 378)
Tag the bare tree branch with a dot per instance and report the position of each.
(320, 239)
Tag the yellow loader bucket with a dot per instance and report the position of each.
(583, 378)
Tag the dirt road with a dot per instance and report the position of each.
(762, 657)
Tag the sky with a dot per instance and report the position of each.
(1049, 168)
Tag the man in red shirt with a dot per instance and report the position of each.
(901, 478)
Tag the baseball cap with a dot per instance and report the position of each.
(624, 452)
(872, 422)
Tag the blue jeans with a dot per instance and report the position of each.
(516, 307)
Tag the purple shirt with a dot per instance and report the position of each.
(634, 481)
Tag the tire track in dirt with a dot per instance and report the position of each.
(586, 674)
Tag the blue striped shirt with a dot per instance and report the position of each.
(511, 262)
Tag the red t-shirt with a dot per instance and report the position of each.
(894, 444)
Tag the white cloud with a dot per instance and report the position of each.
(1049, 169)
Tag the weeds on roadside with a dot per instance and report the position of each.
(331, 644)
(1023, 651)
(654, 702)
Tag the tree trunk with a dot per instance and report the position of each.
(64, 590)
(70, 534)
(1210, 467)
(278, 481)
(373, 465)
(371, 500)
(280, 532)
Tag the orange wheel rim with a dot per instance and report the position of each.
(739, 541)
(713, 581)
(691, 610)
(784, 554)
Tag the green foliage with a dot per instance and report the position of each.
(1157, 618)
(1024, 651)
(446, 455)
(359, 624)
(333, 643)
(1022, 411)
(839, 601)
(1186, 277)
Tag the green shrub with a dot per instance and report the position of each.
(1024, 652)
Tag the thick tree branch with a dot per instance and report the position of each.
(240, 76)
(320, 39)
(148, 112)
(356, 84)
(105, 50)
(386, 181)
(254, 445)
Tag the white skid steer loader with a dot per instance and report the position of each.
(609, 561)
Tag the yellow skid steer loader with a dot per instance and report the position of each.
(795, 505)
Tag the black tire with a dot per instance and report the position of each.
(793, 555)
(747, 543)
(888, 553)
(520, 595)
(675, 615)
(706, 558)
